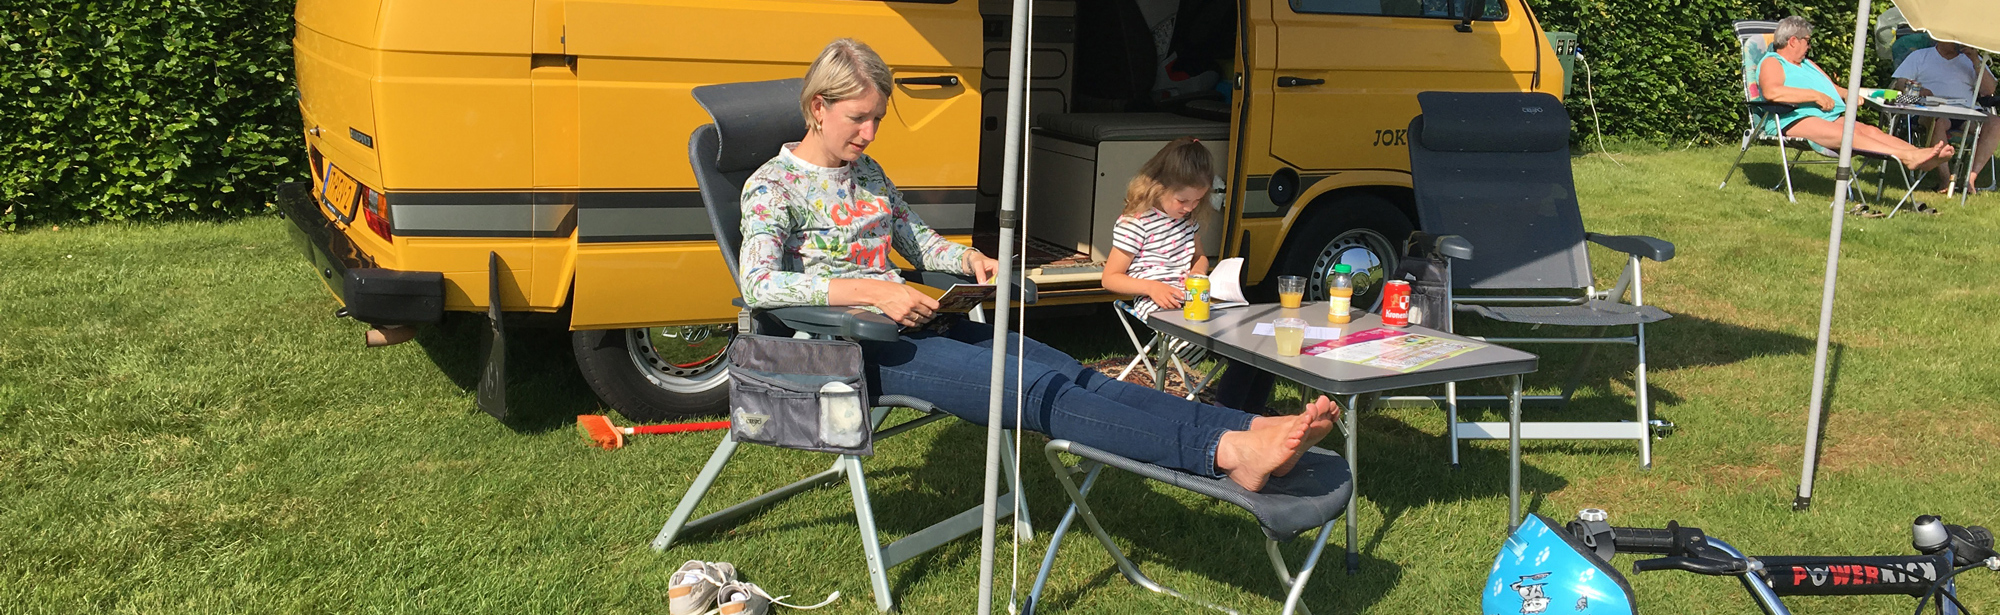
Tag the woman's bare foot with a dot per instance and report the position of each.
(1325, 413)
(1249, 457)
(1929, 158)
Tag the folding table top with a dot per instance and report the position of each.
(1230, 333)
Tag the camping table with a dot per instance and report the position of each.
(1976, 119)
(1230, 334)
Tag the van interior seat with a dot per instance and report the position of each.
(1094, 128)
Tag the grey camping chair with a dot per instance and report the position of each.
(1313, 496)
(752, 120)
(1494, 168)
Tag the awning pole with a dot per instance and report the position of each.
(1843, 176)
(1010, 193)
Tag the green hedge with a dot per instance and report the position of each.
(144, 109)
(1671, 71)
(149, 109)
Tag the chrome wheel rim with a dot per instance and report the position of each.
(685, 359)
(1369, 253)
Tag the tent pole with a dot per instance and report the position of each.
(1842, 178)
(1010, 193)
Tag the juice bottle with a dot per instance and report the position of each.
(1339, 293)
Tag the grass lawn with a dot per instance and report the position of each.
(185, 428)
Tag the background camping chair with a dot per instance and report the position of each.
(1755, 40)
(752, 120)
(1179, 353)
(1494, 168)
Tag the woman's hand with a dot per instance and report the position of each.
(1825, 102)
(981, 266)
(1164, 295)
(901, 303)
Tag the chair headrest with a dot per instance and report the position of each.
(1492, 122)
(1749, 27)
(752, 120)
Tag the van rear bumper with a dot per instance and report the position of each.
(370, 294)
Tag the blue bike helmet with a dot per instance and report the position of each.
(1541, 569)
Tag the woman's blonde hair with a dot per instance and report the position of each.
(1182, 164)
(845, 69)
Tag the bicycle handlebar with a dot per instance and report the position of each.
(1652, 541)
(1695, 565)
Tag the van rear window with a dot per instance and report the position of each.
(1495, 10)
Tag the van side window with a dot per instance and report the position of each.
(1495, 10)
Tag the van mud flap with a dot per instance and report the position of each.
(493, 377)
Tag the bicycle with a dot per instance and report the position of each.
(1541, 565)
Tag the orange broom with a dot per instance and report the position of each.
(598, 430)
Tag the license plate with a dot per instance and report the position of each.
(340, 193)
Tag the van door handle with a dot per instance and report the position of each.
(941, 81)
(1292, 82)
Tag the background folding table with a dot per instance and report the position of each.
(1975, 118)
(1230, 333)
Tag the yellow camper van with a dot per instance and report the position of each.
(533, 152)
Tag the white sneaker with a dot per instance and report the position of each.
(746, 598)
(692, 589)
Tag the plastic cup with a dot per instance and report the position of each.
(1291, 290)
(1291, 333)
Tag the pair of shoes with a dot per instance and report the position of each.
(705, 588)
(692, 589)
(1865, 211)
(1925, 209)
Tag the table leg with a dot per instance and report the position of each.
(1514, 455)
(1350, 420)
(1160, 364)
(1972, 144)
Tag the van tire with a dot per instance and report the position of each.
(1333, 227)
(616, 364)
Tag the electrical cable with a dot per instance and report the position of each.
(1590, 93)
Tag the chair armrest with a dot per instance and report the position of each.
(1773, 108)
(852, 322)
(1024, 290)
(1450, 246)
(1637, 245)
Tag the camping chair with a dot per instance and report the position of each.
(1494, 168)
(1755, 40)
(752, 120)
(1179, 353)
(1313, 495)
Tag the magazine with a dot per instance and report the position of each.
(1391, 349)
(964, 297)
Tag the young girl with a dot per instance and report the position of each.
(1156, 244)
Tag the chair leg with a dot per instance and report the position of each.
(1094, 469)
(1081, 504)
(1022, 525)
(1645, 406)
(1298, 585)
(1748, 135)
(1785, 158)
(871, 545)
(695, 493)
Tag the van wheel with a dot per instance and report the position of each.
(1365, 232)
(659, 373)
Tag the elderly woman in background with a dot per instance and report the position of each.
(1786, 76)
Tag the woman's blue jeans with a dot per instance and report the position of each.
(952, 368)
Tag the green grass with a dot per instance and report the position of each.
(185, 428)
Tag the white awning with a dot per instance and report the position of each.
(1971, 22)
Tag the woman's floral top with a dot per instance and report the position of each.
(805, 224)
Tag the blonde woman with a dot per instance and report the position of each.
(818, 221)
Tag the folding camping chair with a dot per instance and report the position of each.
(1755, 40)
(1313, 495)
(1494, 168)
(1180, 354)
(752, 120)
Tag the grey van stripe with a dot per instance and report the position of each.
(608, 224)
(482, 214)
